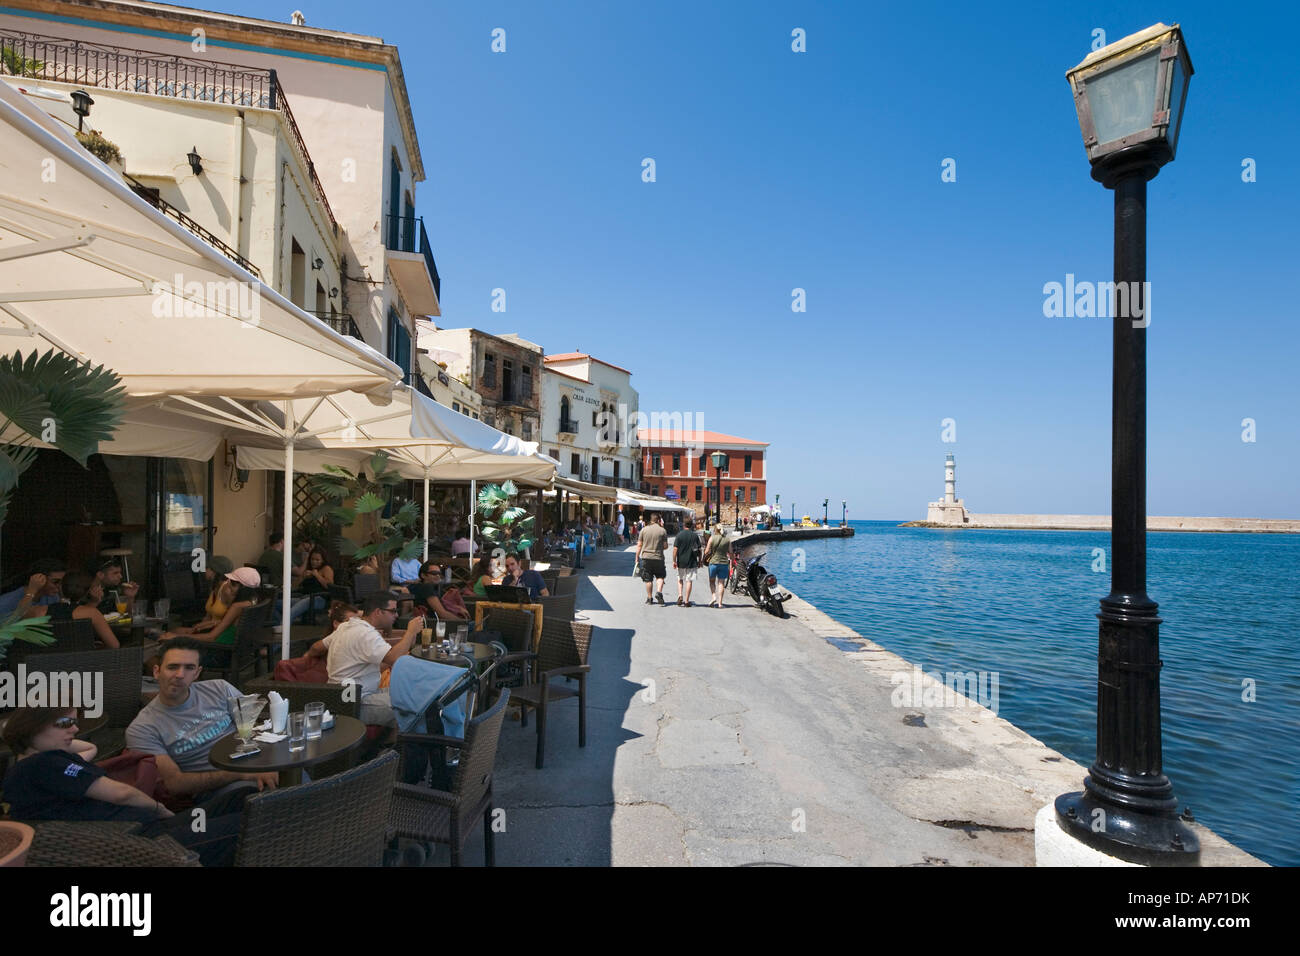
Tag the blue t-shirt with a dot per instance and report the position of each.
(405, 572)
(529, 579)
(9, 600)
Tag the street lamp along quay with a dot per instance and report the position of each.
(1129, 97)
(719, 460)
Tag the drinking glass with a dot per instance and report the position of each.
(441, 628)
(244, 711)
(297, 731)
(162, 609)
(119, 601)
(426, 636)
(140, 610)
(313, 712)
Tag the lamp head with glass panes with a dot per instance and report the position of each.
(1129, 96)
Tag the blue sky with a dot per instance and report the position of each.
(821, 170)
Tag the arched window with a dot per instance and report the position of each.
(564, 414)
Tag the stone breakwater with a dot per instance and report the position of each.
(1102, 523)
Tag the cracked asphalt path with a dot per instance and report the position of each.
(729, 737)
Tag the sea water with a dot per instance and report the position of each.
(1023, 605)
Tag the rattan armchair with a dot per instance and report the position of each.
(561, 653)
(338, 821)
(230, 661)
(566, 586)
(122, 668)
(426, 815)
(80, 844)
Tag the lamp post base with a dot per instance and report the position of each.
(1132, 836)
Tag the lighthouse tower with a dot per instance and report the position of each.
(950, 509)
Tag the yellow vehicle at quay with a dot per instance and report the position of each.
(807, 522)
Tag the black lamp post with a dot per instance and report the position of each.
(708, 497)
(81, 104)
(844, 513)
(1129, 96)
(719, 460)
(826, 511)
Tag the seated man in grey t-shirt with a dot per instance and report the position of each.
(181, 724)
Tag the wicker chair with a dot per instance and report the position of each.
(230, 661)
(121, 668)
(63, 843)
(435, 816)
(565, 586)
(561, 653)
(338, 821)
(561, 607)
(549, 577)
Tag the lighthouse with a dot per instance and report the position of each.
(949, 509)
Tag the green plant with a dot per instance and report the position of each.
(50, 400)
(104, 149)
(505, 525)
(18, 65)
(390, 537)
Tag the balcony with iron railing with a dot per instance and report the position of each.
(568, 426)
(410, 260)
(111, 67)
(340, 322)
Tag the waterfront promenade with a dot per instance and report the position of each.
(763, 743)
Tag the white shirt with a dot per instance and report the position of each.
(354, 652)
(620, 522)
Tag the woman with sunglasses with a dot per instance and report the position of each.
(54, 779)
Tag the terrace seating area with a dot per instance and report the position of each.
(381, 796)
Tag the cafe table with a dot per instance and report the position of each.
(346, 735)
(472, 651)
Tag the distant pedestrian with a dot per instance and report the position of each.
(621, 527)
(717, 554)
(686, 559)
(650, 558)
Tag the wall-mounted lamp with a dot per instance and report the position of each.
(196, 161)
(334, 292)
(81, 104)
(317, 263)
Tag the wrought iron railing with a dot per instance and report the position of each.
(569, 426)
(406, 234)
(340, 322)
(104, 66)
(151, 196)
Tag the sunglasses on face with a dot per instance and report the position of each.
(65, 723)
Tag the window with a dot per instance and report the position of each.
(749, 465)
(575, 464)
(616, 464)
(699, 492)
(489, 370)
(656, 465)
(595, 468)
(528, 430)
(595, 418)
(704, 464)
(677, 464)
(476, 416)
(526, 389)
(682, 495)
(753, 495)
(508, 380)
(455, 406)
(726, 494)
(566, 425)
(399, 345)
(555, 453)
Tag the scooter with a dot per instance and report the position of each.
(760, 585)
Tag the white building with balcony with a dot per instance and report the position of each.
(588, 420)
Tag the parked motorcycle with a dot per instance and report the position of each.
(756, 581)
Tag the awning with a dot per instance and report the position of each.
(90, 268)
(761, 510)
(587, 490)
(650, 502)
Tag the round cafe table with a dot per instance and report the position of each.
(478, 652)
(346, 734)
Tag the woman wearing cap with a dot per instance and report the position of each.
(237, 592)
(215, 574)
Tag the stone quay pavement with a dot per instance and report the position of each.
(731, 737)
